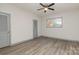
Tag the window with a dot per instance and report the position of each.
(54, 22)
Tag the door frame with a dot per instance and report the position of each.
(8, 23)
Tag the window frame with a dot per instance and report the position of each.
(54, 19)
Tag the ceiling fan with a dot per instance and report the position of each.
(46, 7)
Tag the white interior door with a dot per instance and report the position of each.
(35, 28)
(4, 30)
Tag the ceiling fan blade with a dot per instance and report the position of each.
(51, 4)
(51, 9)
(40, 9)
(42, 5)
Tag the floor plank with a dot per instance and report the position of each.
(43, 46)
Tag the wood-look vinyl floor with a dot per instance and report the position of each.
(43, 46)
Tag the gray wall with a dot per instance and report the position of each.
(21, 23)
(70, 30)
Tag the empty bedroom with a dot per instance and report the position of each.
(39, 28)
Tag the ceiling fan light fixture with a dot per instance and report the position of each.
(46, 9)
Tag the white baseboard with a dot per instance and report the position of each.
(60, 38)
(22, 41)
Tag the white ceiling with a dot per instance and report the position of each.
(59, 7)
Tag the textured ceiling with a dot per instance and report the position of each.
(59, 7)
